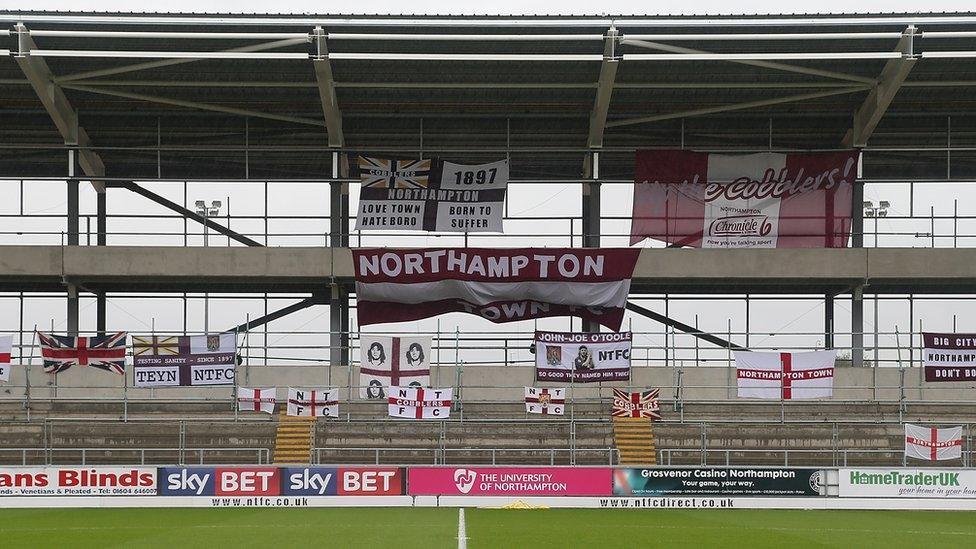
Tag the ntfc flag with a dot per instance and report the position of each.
(313, 402)
(392, 361)
(764, 200)
(6, 345)
(790, 376)
(420, 403)
(545, 401)
(256, 400)
(932, 444)
(639, 404)
(103, 352)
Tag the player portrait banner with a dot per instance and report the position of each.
(933, 444)
(430, 195)
(790, 376)
(322, 402)
(548, 401)
(500, 285)
(6, 345)
(386, 361)
(765, 200)
(420, 403)
(949, 357)
(257, 399)
(642, 404)
(583, 358)
(105, 352)
(172, 361)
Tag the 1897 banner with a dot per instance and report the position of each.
(583, 357)
(430, 195)
(949, 357)
(717, 482)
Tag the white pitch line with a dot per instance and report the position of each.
(462, 533)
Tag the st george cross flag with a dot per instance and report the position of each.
(765, 200)
(639, 404)
(103, 352)
(6, 344)
(545, 401)
(932, 444)
(256, 400)
(386, 361)
(790, 376)
(313, 402)
(420, 403)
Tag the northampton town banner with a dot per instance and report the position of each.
(949, 357)
(583, 358)
(169, 361)
(385, 361)
(257, 399)
(932, 444)
(642, 404)
(420, 403)
(545, 401)
(6, 345)
(500, 285)
(790, 376)
(429, 195)
(766, 200)
(313, 402)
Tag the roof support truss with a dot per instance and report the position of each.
(326, 84)
(604, 91)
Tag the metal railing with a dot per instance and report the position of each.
(493, 456)
(261, 455)
(795, 457)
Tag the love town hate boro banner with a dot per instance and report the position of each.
(168, 361)
(386, 361)
(790, 376)
(766, 200)
(716, 482)
(500, 285)
(509, 481)
(949, 357)
(583, 357)
(430, 195)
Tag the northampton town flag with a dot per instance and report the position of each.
(932, 444)
(420, 403)
(639, 404)
(313, 402)
(386, 361)
(103, 352)
(790, 376)
(6, 344)
(545, 401)
(163, 361)
(257, 400)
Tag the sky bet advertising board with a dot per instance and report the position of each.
(284, 481)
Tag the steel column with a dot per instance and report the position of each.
(857, 327)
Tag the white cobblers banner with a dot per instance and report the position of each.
(77, 481)
(313, 402)
(933, 444)
(548, 401)
(257, 399)
(583, 357)
(764, 200)
(907, 483)
(790, 376)
(6, 345)
(429, 195)
(949, 357)
(500, 285)
(413, 403)
(385, 361)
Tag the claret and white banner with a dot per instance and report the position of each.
(789, 376)
(582, 357)
(949, 357)
(764, 200)
(933, 444)
(430, 195)
(420, 403)
(500, 285)
(172, 361)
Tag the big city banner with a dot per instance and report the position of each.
(907, 483)
(284, 481)
(582, 357)
(500, 285)
(430, 195)
(717, 481)
(6, 345)
(790, 376)
(172, 361)
(508, 481)
(765, 200)
(949, 357)
(77, 481)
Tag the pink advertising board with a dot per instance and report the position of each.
(509, 481)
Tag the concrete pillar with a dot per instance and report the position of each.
(339, 300)
(857, 214)
(828, 321)
(591, 213)
(857, 327)
(72, 312)
(339, 327)
(72, 198)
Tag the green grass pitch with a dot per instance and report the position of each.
(427, 528)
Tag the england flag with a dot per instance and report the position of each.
(933, 444)
(313, 402)
(790, 376)
(545, 401)
(420, 403)
(256, 400)
(6, 344)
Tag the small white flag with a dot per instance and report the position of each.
(256, 400)
(932, 444)
(420, 403)
(545, 401)
(313, 402)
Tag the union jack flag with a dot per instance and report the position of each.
(639, 404)
(393, 174)
(103, 352)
